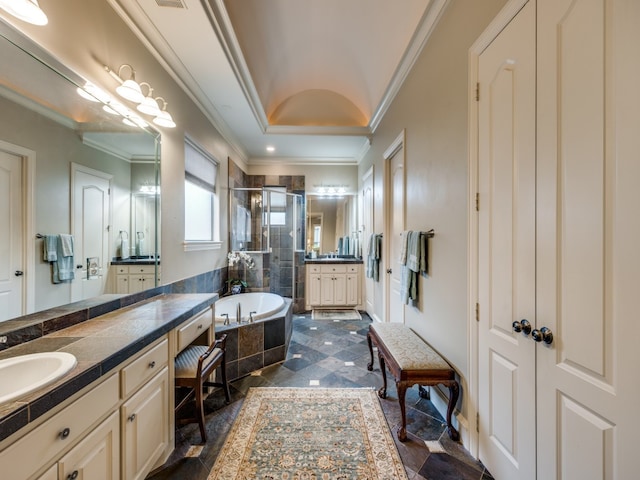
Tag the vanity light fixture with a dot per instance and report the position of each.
(271, 148)
(129, 89)
(164, 118)
(331, 189)
(26, 10)
(149, 105)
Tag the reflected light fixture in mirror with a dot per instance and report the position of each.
(26, 10)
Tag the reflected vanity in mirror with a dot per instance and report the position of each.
(68, 167)
(332, 226)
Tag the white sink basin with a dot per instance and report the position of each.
(22, 375)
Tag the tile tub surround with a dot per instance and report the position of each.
(252, 346)
(99, 345)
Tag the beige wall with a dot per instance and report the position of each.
(432, 108)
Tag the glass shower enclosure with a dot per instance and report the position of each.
(268, 223)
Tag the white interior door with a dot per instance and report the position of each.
(11, 237)
(588, 230)
(506, 254)
(367, 231)
(393, 238)
(90, 230)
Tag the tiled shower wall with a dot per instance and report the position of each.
(275, 271)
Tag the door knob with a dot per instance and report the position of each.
(389, 270)
(522, 326)
(543, 335)
(19, 273)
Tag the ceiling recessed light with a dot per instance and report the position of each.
(271, 148)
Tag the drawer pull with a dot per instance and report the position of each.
(73, 476)
(200, 327)
(152, 364)
(65, 433)
(132, 417)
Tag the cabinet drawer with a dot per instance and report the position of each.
(140, 370)
(122, 269)
(333, 268)
(148, 269)
(24, 457)
(353, 268)
(313, 268)
(194, 328)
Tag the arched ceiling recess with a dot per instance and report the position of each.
(318, 108)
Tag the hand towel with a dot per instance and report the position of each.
(403, 249)
(50, 248)
(67, 244)
(64, 267)
(413, 251)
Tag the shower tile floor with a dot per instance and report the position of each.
(329, 354)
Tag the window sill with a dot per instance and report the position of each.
(196, 245)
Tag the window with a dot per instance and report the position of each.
(201, 219)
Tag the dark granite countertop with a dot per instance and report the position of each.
(99, 344)
(135, 261)
(323, 260)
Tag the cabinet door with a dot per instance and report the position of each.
(340, 289)
(97, 457)
(122, 284)
(353, 289)
(145, 432)
(326, 289)
(51, 474)
(313, 290)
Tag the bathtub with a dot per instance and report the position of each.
(263, 304)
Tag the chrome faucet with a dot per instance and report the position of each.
(239, 313)
(226, 318)
(251, 316)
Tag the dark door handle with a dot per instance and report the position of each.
(19, 273)
(543, 335)
(522, 326)
(389, 270)
(79, 266)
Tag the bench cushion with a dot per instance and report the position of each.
(408, 349)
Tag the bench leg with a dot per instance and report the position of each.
(454, 391)
(370, 364)
(382, 393)
(402, 430)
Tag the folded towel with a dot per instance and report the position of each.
(424, 253)
(373, 256)
(403, 248)
(50, 248)
(67, 244)
(413, 251)
(64, 268)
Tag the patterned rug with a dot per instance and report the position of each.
(348, 314)
(309, 434)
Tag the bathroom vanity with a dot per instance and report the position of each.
(334, 283)
(132, 276)
(112, 416)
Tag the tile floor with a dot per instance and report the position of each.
(328, 354)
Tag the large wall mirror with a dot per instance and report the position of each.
(332, 225)
(67, 167)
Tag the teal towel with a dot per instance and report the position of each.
(50, 248)
(63, 268)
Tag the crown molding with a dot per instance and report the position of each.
(421, 36)
(156, 44)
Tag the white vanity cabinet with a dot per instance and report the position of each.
(120, 427)
(134, 278)
(333, 285)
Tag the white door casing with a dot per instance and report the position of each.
(367, 231)
(91, 203)
(395, 210)
(506, 253)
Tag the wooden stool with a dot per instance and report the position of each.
(193, 366)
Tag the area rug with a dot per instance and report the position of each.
(309, 434)
(348, 314)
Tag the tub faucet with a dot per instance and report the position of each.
(239, 313)
(251, 316)
(226, 318)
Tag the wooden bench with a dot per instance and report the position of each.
(411, 361)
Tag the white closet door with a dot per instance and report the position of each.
(506, 253)
(587, 238)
